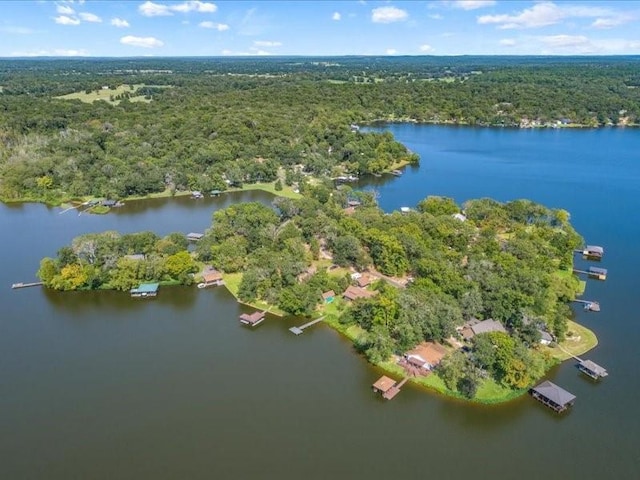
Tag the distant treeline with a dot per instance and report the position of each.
(248, 120)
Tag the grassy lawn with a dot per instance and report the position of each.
(579, 341)
(286, 191)
(232, 282)
(569, 274)
(105, 95)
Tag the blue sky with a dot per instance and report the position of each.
(139, 28)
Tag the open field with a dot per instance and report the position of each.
(579, 341)
(108, 94)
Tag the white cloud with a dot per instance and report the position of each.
(508, 42)
(541, 15)
(145, 42)
(391, 51)
(64, 20)
(58, 52)
(388, 15)
(473, 4)
(194, 6)
(336, 16)
(150, 9)
(435, 16)
(564, 41)
(266, 43)
(221, 27)
(64, 10)
(90, 17)
(610, 22)
(426, 48)
(253, 52)
(119, 22)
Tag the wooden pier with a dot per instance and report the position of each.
(589, 305)
(596, 273)
(27, 285)
(300, 329)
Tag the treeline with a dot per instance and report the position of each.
(248, 120)
(120, 262)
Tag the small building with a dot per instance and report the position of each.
(459, 216)
(427, 355)
(354, 203)
(145, 290)
(364, 280)
(353, 293)
(593, 251)
(196, 194)
(211, 278)
(545, 337)
(592, 369)
(109, 203)
(405, 210)
(328, 296)
(194, 237)
(215, 193)
(598, 273)
(554, 397)
(252, 319)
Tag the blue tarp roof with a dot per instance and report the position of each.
(146, 288)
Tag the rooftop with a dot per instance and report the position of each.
(553, 392)
(486, 326)
(146, 288)
(384, 383)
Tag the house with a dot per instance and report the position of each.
(328, 296)
(364, 280)
(215, 193)
(545, 338)
(459, 216)
(486, 326)
(194, 237)
(405, 210)
(353, 293)
(354, 203)
(554, 397)
(109, 203)
(252, 319)
(145, 290)
(426, 355)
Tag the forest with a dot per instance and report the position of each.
(434, 268)
(207, 123)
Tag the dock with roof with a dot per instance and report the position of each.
(592, 369)
(553, 396)
(253, 319)
(145, 290)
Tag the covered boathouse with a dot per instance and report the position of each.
(145, 290)
(598, 273)
(592, 369)
(252, 319)
(554, 397)
(593, 252)
(386, 386)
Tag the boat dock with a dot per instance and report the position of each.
(553, 396)
(590, 305)
(388, 386)
(594, 272)
(300, 329)
(256, 318)
(26, 285)
(592, 369)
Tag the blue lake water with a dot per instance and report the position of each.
(96, 385)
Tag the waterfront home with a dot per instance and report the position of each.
(353, 293)
(109, 203)
(554, 397)
(545, 338)
(459, 216)
(145, 290)
(475, 327)
(426, 355)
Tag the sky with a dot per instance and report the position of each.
(318, 27)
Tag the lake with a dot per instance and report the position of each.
(98, 385)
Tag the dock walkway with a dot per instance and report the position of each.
(300, 329)
(26, 285)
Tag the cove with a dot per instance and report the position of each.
(99, 386)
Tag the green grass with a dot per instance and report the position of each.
(106, 95)
(579, 341)
(232, 282)
(286, 191)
